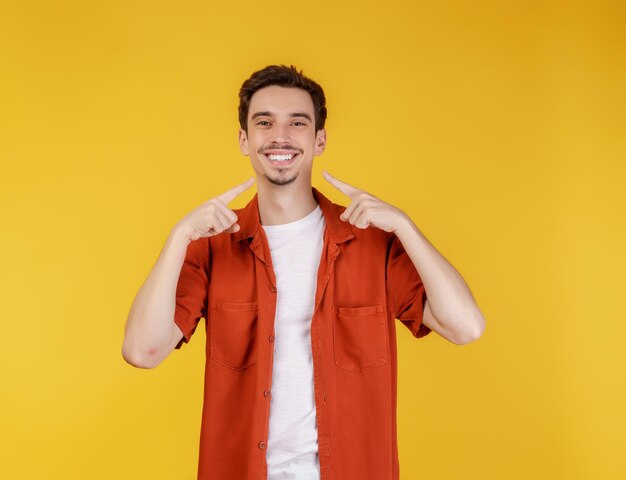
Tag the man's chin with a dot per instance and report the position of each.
(280, 180)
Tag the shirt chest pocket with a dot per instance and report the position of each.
(360, 338)
(232, 333)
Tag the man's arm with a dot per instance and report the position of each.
(450, 309)
(151, 333)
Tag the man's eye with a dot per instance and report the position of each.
(263, 122)
(299, 123)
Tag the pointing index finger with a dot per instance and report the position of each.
(343, 187)
(229, 195)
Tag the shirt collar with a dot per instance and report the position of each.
(338, 230)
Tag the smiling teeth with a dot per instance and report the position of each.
(279, 158)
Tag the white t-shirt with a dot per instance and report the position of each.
(296, 249)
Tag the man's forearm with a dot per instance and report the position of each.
(449, 298)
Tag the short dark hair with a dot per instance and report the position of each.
(282, 76)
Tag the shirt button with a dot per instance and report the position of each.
(261, 445)
(267, 393)
(271, 338)
(273, 288)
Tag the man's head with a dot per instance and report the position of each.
(282, 115)
(281, 76)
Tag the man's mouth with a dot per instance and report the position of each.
(281, 158)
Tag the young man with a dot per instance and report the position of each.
(300, 297)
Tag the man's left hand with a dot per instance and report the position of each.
(366, 210)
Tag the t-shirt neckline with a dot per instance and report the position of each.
(303, 222)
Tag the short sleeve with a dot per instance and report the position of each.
(192, 289)
(405, 289)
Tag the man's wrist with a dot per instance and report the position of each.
(406, 228)
(179, 236)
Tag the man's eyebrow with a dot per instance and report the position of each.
(301, 114)
(261, 114)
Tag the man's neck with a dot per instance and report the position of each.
(280, 204)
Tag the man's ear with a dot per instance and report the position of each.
(320, 141)
(243, 142)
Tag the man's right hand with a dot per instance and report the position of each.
(212, 217)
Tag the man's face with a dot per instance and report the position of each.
(281, 139)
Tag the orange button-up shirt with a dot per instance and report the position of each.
(365, 281)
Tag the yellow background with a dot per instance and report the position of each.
(498, 126)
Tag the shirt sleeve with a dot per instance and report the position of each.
(192, 289)
(405, 289)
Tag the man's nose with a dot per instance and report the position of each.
(280, 133)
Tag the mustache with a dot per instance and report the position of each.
(281, 147)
